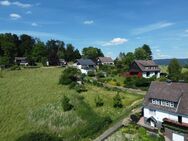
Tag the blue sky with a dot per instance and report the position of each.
(114, 26)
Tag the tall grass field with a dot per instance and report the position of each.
(30, 107)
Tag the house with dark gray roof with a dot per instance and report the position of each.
(166, 106)
(144, 68)
(85, 65)
(105, 61)
(21, 61)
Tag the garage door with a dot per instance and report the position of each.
(177, 137)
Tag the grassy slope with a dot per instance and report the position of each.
(165, 69)
(21, 92)
(25, 91)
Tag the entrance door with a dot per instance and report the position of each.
(152, 123)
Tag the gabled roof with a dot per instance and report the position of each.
(85, 62)
(144, 64)
(174, 92)
(105, 59)
(20, 58)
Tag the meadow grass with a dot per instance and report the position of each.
(164, 69)
(30, 102)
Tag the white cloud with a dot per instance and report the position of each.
(34, 24)
(23, 5)
(15, 16)
(115, 41)
(88, 22)
(160, 55)
(5, 3)
(16, 3)
(151, 27)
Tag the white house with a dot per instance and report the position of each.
(21, 61)
(85, 65)
(144, 68)
(166, 106)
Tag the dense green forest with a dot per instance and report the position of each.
(12, 45)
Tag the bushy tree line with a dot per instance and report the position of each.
(175, 71)
(12, 45)
(124, 60)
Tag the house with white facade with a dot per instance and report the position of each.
(85, 65)
(21, 61)
(144, 68)
(166, 107)
(105, 61)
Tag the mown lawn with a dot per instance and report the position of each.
(30, 103)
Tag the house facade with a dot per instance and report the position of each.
(166, 106)
(144, 68)
(105, 61)
(62, 62)
(21, 61)
(85, 65)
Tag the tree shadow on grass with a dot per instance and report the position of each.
(95, 122)
(39, 137)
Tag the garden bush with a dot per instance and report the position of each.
(135, 117)
(117, 101)
(80, 88)
(69, 75)
(162, 79)
(66, 104)
(134, 82)
(99, 101)
(91, 73)
(101, 74)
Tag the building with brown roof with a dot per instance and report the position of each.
(105, 61)
(144, 68)
(166, 106)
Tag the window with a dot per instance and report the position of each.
(180, 119)
(163, 103)
(155, 101)
(172, 104)
(152, 112)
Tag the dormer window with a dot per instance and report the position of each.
(163, 103)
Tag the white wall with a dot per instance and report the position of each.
(185, 119)
(151, 74)
(159, 115)
(177, 137)
(84, 71)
